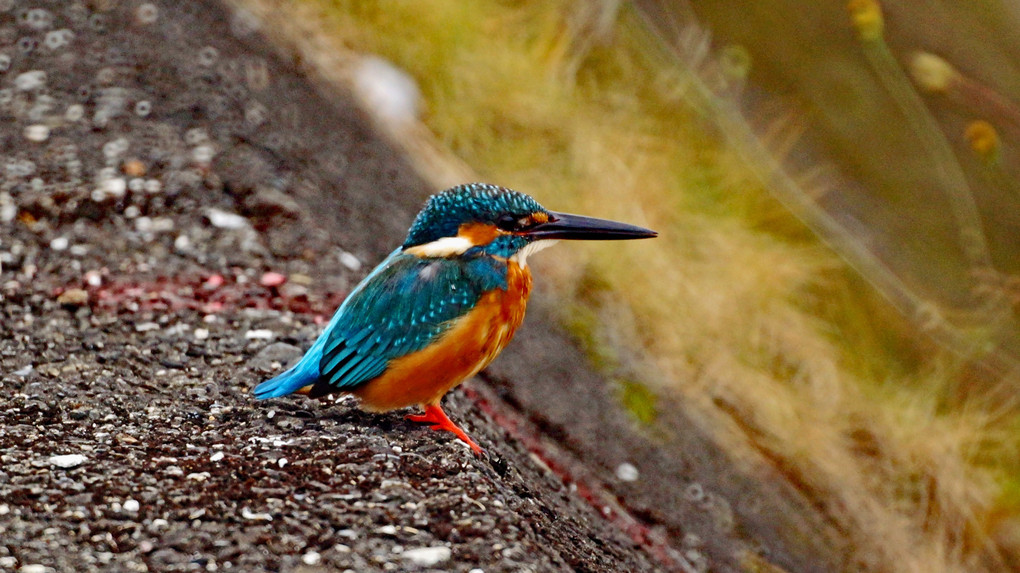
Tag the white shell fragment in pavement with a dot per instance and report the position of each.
(67, 461)
(427, 556)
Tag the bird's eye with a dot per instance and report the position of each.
(511, 223)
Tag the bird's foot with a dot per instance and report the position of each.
(437, 417)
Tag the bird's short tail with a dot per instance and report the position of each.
(301, 375)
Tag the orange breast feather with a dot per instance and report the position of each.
(468, 346)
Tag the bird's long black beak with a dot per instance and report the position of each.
(581, 228)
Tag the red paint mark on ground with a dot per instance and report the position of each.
(208, 294)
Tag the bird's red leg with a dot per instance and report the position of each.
(437, 417)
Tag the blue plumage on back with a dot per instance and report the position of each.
(404, 305)
(306, 371)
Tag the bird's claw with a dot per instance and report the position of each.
(438, 419)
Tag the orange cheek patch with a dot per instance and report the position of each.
(478, 233)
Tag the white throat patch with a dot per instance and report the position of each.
(521, 256)
(445, 247)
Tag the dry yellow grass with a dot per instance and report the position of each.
(734, 303)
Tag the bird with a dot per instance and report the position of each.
(441, 306)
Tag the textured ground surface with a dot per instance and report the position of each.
(179, 212)
(147, 150)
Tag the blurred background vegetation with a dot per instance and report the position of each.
(837, 276)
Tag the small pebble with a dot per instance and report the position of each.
(59, 244)
(146, 326)
(350, 261)
(67, 461)
(114, 187)
(300, 279)
(202, 154)
(201, 333)
(93, 278)
(73, 297)
(115, 148)
(272, 279)
(217, 457)
(694, 492)
(311, 558)
(74, 112)
(225, 220)
(260, 334)
(427, 556)
(131, 506)
(127, 439)
(249, 514)
(57, 39)
(147, 13)
(207, 56)
(692, 540)
(32, 80)
(626, 472)
(37, 133)
(133, 168)
(195, 136)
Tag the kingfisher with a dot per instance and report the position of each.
(441, 306)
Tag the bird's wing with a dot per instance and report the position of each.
(399, 309)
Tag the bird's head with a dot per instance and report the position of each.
(501, 222)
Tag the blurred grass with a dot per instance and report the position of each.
(736, 307)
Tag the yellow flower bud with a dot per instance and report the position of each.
(983, 139)
(867, 18)
(932, 73)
